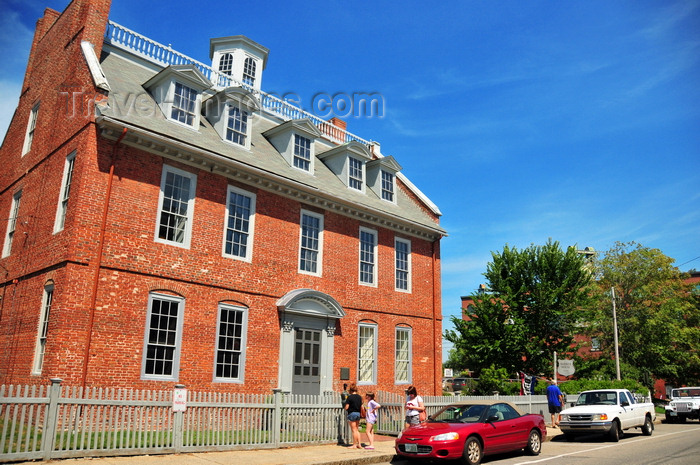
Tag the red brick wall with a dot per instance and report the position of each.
(133, 264)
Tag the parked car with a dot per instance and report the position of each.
(471, 430)
(609, 412)
(685, 404)
(447, 384)
(458, 384)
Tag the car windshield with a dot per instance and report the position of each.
(689, 392)
(459, 414)
(597, 398)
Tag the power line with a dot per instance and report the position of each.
(692, 260)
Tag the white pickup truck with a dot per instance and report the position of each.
(607, 411)
(685, 404)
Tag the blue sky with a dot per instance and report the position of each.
(577, 121)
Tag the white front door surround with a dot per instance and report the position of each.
(309, 310)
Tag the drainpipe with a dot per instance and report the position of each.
(98, 259)
(437, 366)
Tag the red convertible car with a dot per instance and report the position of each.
(472, 430)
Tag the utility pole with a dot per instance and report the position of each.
(617, 350)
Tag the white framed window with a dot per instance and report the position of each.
(368, 256)
(163, 338)
(595, 344)
(184, 104)
(302, 152)
(402, 256)
(367, 354)
(65, 193)
(249, 68)
(355, 175)
(387, 186)
(232, 327)
(311, 243)
(40, 349)
(12, 223)
(402, 355)
(226, 64)
(176, 207)
(31, 127)
(240, 224)
(237, 126)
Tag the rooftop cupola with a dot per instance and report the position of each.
(240, 58)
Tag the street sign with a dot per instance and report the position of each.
(566, 367)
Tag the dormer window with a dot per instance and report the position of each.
(237, 126)
(387, 186)
(184, 104)
(355, 173)
(230, 112)
(249, 71)
(178, 92)
(348, 162)
(302, 152)
(294, 140)
(381, 177)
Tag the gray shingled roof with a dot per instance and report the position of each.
(130, 104)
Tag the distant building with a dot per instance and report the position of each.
(169, 222)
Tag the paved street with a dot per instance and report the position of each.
(669, 445)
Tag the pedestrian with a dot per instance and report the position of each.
(353, 406)
(414, 406)
(372, 406)
(555, 400)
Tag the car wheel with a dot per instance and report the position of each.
(472, 451)
(614, 433)
(534, 443)
(648, 427)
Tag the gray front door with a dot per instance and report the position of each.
(307, 362)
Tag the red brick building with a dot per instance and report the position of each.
(169, 222)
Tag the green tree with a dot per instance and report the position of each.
(530, 310)
(658, 315)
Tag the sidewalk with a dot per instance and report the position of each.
(327, 454)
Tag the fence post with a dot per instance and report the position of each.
(48, 438)
(277, 419)
(179, 406)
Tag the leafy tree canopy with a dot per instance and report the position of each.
(658, 315)
(532, 304)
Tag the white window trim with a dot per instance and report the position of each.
(190, 206)
(409, 371)
(247, 135)
(178, 337)
(42, 332)
(31, 129)
(244, 338)
(393, 186)
(11, 224)
(363, 173)
(170, 101)
(374, 328)
(67, 180)
(312, 156)
(409, 278)
(376, 258)
(319, 258)
(251, 222)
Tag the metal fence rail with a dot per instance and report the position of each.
(50, 422)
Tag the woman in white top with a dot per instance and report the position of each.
(414, 405)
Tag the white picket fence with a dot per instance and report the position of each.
(51, 422)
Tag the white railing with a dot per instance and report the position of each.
(121, 37)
